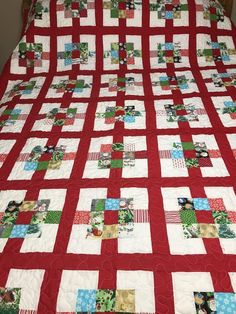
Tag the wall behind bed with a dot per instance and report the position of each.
(10, 27)
(234, 12)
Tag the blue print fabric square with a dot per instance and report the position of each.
(78, 90)
(19, 231)
(201, 204)
(129, 119)
(225, 58)
(169, 15)
(16, 111)
(169, 46)
(68, 61)
(31, 165)
(229, 103)
(69, 47)
(26, 91)
(86, 301)
(177, 154)
(114, 54)
(183, 86)
(112, 204)
(215, 45)
(225, 303)
(164, 78)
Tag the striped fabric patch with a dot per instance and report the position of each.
(172, 217)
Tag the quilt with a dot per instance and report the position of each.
(118, 160)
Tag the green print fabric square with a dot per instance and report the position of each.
(191, 162)
(188, 216)
(188, 146)
(118, 147)
(226, 232)
(117, 163)
(42, 165)
(125, 216)
(53, 217)
(5, 231)
(114, 13)
(98, 205)
(10, 300)
(105, 301)
(164, 83)
(208, 52)
(220, 217)
(38, 218)
(110, 114)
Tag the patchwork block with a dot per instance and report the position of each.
(55, 117)
(219, 81)
(171, 116)
(130, 157)
(36, 221)
(55, 160)
(23, 89)
(79, 292)
(13, 118)
(31, 55)
(99, 218)
(197, 289)
(40, 13)
(69, 11)
(22, 291)
(211, 52)
(226, 109)
(109, 114)
(191, 219)
(79, 87)
(202, 153)
(164, 84)
(162, 11)
(210, 13)
(130, 84)
(117, 54)
(175, 52)
(81, 53)
(128, 10)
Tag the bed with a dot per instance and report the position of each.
(118, 159)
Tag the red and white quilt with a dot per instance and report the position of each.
(118, 160)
